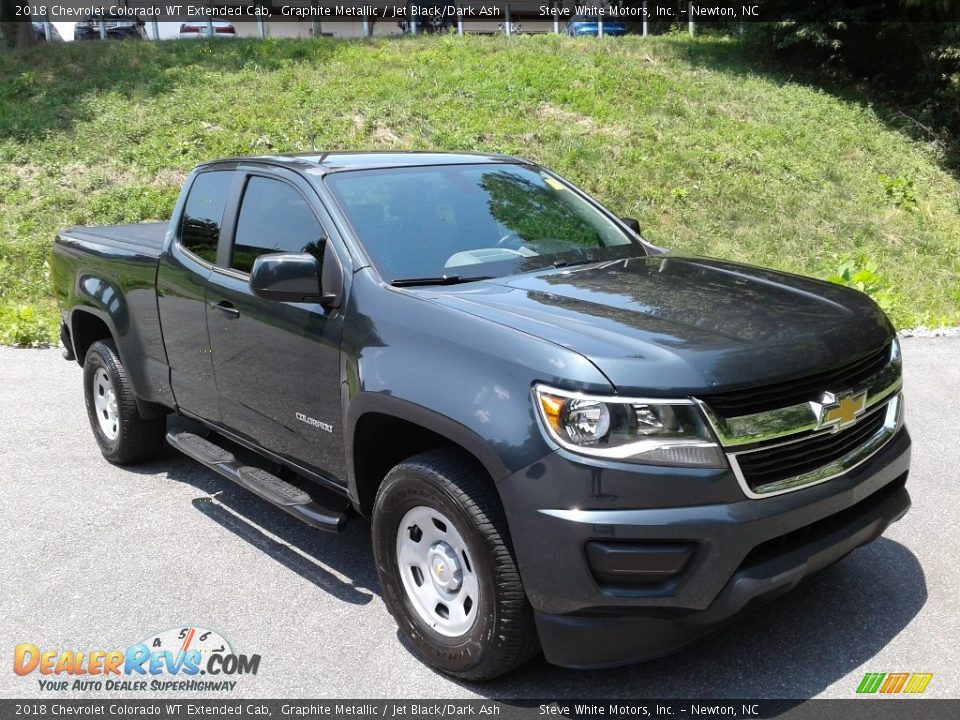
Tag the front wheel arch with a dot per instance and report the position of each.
(385, 432)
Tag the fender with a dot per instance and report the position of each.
(370, 402)
(128, 309)
(104, 300)
(406, 356)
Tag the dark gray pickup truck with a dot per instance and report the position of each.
(567, 438)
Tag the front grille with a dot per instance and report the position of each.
(779, 462)
(794, 392)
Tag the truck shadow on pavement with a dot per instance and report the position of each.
(303, 549)
(795, 647)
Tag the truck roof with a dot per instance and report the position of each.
(360, 160)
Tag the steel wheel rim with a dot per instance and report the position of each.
(437, 571)
(105, 404)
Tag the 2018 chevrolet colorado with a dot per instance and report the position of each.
(566, 437)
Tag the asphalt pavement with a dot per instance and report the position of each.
(100, 557)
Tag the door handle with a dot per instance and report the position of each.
(226, 307)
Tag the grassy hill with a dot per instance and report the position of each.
(712, 155)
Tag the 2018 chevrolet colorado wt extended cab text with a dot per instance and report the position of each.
(567, 438)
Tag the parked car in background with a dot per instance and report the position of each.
(428, 17)
(582, 25)
(198, 30)
(117, 27)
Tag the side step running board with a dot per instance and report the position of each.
(285, 496)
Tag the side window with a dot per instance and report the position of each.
(274, 218)
(203, 213)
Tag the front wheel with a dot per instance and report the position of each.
(447, 568)
(123, 435)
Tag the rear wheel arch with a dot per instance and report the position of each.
(86, 328)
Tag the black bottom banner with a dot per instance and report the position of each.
(174, 709)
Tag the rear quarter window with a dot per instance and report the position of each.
(203, 213)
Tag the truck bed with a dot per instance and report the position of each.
(107, 276)
(143, 238)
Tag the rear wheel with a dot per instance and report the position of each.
(123, 435)
(447, 568)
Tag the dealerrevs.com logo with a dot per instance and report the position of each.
(178, 659)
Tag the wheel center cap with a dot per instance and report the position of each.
(444, 567)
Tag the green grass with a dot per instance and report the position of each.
(712, 155)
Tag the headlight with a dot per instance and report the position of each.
(658, 432)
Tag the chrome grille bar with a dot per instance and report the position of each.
(770, 425)
(893, 417)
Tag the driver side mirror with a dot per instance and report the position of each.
(298, 277)
(631, 223)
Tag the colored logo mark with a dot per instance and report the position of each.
(841, 410)
(893, 683)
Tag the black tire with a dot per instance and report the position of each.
(137, 440)
(503, 634)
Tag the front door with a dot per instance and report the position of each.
(276, 364)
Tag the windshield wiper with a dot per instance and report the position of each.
(570, 263)
(442, 280)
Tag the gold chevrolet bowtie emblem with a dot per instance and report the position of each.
(840, 411)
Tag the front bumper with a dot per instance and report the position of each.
(741, 552)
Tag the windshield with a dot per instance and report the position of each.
(473, 220)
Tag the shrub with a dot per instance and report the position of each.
(23, 325)
(861, 274)
(899, 190)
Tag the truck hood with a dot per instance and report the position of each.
(665, 325)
